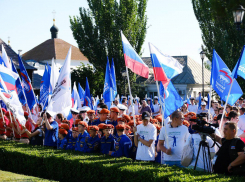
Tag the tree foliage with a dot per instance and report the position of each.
(97, 31)
(95, 77)
(218, 30)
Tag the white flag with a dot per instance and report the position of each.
(6, 59)
(60, 101)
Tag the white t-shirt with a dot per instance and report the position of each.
(136, 109)
(176, 140)
(147, 133)
(196, 139)
(212, 111)
(193, 108)
(156, 109)
(241, 122)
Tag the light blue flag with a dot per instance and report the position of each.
(172, 99)
(108, 93)
(81, 93)
(239, 69)
(113, 79)
(221, 79)
(44, 87)
(87, 97)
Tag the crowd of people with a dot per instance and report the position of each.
(116, 132)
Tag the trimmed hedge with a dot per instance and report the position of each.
(73, 166)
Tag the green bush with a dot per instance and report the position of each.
(74, 166)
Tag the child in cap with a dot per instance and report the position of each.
(94, 140)
(82, 138)
(62, 141)
(107, 141)
(72, 140)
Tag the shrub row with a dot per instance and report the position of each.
(73, 166)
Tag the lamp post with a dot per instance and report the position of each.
(202, 55)
(238, 14)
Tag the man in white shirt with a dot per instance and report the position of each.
(177, 134)
(156, 107)
(145, 136)
(241, 122)
(192, 107)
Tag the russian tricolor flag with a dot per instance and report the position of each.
(9, 78)
(165, 67)
(133, 60)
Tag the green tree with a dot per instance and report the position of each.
(218, 30)
(97, 32)
(95, 78)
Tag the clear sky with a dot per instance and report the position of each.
(173, 27)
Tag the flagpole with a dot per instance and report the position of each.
(130, 96)
(163, 120)
(209, 103)
(221, 123)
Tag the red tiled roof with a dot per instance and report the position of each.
(53, 48)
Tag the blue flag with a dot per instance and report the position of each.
(239, 69)
(199, 102)
(208, 101)
(172, 99)
(221, 79)
(151, 105)
(44, 87)
(2, 62)
(26, 82)
(20, 90)
(113, 79)
(108, 93)
(87, 97)
(81, 93)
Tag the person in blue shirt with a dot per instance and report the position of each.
(107, 141)
(94, 140)
(51, 130)
(114, 113)
(122, 143)
(82, 139)
(67, 128)
(62, 142)
(103, 117)
(158, 155)
(72, 140)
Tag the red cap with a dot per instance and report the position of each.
(65, 126)
(159, 118)
(114, 109)
(108, 126)
(66, 121)
(94, 127)
(104, 111)
(131, 123)
(186, 123)
(101, 126)
(63, 131)
(26, 113)
(77, 121)
(126, 117)
(120, 127)
(90, 112)
(83, 123)
(192, 114)
(75, 129)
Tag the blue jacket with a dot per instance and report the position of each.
(93, 144)
(71, 143)
(62, 144)
(51, 136)
(158, 158)
(122, 146)
(81, 143)
(106, 144)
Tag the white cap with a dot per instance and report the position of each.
(156, 97)
(203, 103)
(74, 110)
(215, 101)
(121, 107)
(84, 108)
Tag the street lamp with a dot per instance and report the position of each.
(202, 55)
(238, 14)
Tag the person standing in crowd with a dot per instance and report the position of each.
(93, 142)
(59, 118)
(74, 114)
(192, 107)
(177, 134)
(91, 116)
(51, 130)
(103, 117)
(145, 107)
(203, 108)
(62, 142)
(122, 143)
(230, 146)
(136, 105)
(114, 113)
(107, 141)
(241, 122)
(82, 138)
(145, 136)
(156, 106)
(184, 109)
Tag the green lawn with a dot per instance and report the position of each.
(8, 176)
